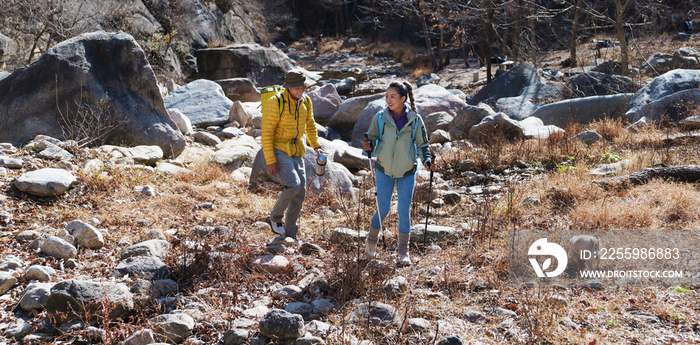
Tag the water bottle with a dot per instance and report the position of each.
(321, 164)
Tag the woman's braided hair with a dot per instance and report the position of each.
(405, 90)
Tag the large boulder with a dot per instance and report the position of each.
(517, 108)
(583, 110)
(496, 124)
(439, 120)
(468, 116)
(349, 113)
(325, 101)
(658, 63)
(202, 101)
(600, 84)
(686, 58)
(674, 107)
(429, 99)
(237, 152)
(72, 299)
(662, 86)
(240, 89)
(265, 66)
(533, 127)
(509, 84)
(99, 74)
(8, 47)
(541, 92)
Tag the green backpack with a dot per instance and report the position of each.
(276, 91)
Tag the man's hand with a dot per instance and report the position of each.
(272, 168)
(319, 150)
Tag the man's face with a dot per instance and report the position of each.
(297, 92)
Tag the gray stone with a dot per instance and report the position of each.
(156, 248)
(430, 78)
(142, 266)
(350, 157)
(534, 127)
(325, 101)
(55, 153)
(238, 114)
(474, 316)
(498, 312)
(58, 248)
(202, 101)
(236, 336)
(300, 308)
(272, 264)
(183, 123)
(451, 340)
(240, 89)
(349, 114)
(85, 234)
(27, 235)
(661, 87)
(593, 284)
(394, 287)
(669, 108)
(344, 87)
(144, 154)
(378, 314)
(589, 137)
(7, 281)
(600, 84)
(609, 169)
(236, 153)
(419, 325)
(440, 120)
(322, 306)
(84, 68)
(568, 323)
(319, 328)
(265, 66)
(10, 263)
(8, 47)
(509, 84)
(11, 163)
(172, 328)
(541, 92)
(467, 117)
(583, 110)
(147, 191)
(288, 291)
(345, 235)
(308, 340)
(45, 182)
(281, 324)
(40, 273)
(658, 63)
(518, 108)
(686, 58)
(206, 138)
(19, 329)
(71, 299)
(440, 137)
(495, 125)
(35, 296)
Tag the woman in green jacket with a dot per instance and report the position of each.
(398, 144)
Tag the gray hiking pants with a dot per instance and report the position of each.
(291, 174)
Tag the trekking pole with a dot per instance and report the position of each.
(376, 197)
(427, 211)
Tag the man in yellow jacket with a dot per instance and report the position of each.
(283, 147)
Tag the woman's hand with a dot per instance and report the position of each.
(431, 166)
(367, 146)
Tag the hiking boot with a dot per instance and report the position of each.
(405, 260)
(277, 228)
(371, 249)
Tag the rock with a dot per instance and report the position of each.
(10, 263)
(600, 84)
(589, 137)
(35, 296)
(237, 153)
(72, 299)
(349, 113)
(352, 42)
(318, 328)
(500, 312)
(583, 110)
(348, 156)
(40, 273)
(8, 47)
(202, 101)
(239, 114)
(510, 84)
(430, 78)
(440, 120)
(85, 234)
(54, 153)
(533, 127)
(240, 90)
(557, 300)
(322, 306)
(673, 107)
(11, 163)
(265, 66)
(106, 73)
(686, 58)
(658, 63)
(419, 325)
(518, 108)
(142, 266)
(301, 308)
(436, 233)
(499, 124)
(429, 99)
(183, 123)
(690, 123)
(281, 324)
(58, 248)
(7, 281)
(325, 102)
(169, 169)
(139, 155)
(26, 236)
(206, 138)
(609, 169)
(142, 337)
(394, 287)
(440, 137)
(345, 235)
(45, 182)
(272, 264)
(236, 336)
(256, 313)
(451, 340)
(593, 284)
(474, 316)
(310, 248)
(157, 248)
(380, 314)
(19, 329)
(665, 85)
(467, 117)
(147, 191)
(288, 291)
(172, 328)
(343, 87)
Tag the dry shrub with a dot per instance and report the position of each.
(219, 42)
(610, 129)
(404, 53)
(202, 173)
(327, 45)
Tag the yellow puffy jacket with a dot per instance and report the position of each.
(284, 132)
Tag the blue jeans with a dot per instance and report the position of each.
(291, 173)
(385, 190)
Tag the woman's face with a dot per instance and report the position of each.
(395, 101)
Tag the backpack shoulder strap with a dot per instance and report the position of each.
(280, 102)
